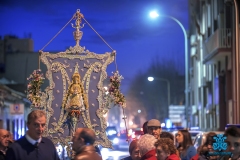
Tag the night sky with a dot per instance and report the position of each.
(124, 24)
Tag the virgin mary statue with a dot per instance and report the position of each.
(75, 100)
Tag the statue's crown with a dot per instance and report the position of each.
(76, 74)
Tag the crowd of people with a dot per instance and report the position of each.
(155, 144)
(33, 146)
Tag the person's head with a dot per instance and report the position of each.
(76, 78)
(4, 139)
(82, 137)
(167, 135)
(209, 141)
(183, 137)
(36, 123)
(164, 148)
(154, 128)
(146, 143)
(145, 127)
(134, 150)
(233, 141)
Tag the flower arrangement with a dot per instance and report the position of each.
(114, 89)
(33, 88)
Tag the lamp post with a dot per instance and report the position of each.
(236, 68)
(168, 87)
(154, 15)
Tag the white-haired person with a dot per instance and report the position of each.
(147, 149)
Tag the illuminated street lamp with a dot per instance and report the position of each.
(168, 86)
(154, 14)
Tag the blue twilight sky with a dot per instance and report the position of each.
(124, 24)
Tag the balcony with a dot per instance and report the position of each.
(217, 46)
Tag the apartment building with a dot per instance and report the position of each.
(14, 108)
(12, 44)
(212, 61)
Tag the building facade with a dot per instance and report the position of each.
(212, 56)
(14, 109)
(12, 44)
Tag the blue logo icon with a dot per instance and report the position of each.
(220, 144)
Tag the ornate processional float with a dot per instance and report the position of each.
(76, 96)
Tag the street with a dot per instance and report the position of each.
(109, 154)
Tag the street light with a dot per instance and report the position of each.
(154, 14)
(168, 86)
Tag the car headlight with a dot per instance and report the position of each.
(111, 132)
(115, 141)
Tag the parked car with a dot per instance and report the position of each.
(231, 125)
(201, 138)
(136, 133)
(194, 134)
(124, 140)
(172, 129)
(112, 135)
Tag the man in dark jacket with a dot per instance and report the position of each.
(83, 141)
(4, 143)
(33, 146)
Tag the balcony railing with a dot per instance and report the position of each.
(221, 39)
